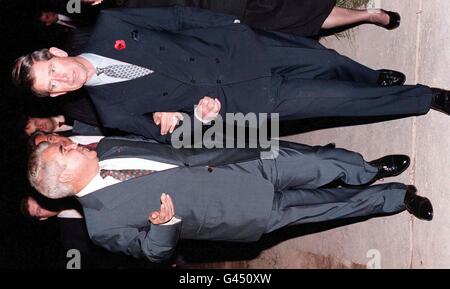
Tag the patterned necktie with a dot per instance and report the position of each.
(128, 71)
(124, 175)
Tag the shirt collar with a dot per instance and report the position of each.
(96, 61)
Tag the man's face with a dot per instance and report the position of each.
(53, 139)
(58, 75)
(43, 124)
(36, 211)
(48, 18)
(79, 162)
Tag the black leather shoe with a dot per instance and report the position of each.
(390, 77)
(394, 20)
(390, 166)
(441, 100)
(418, 206)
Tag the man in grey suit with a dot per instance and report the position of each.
(217, 194)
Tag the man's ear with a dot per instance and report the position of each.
(58, 52)
(57, 93)
(66, 176)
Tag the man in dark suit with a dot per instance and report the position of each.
(170, 59)
(217, 194)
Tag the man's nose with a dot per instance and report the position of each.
(61, 77)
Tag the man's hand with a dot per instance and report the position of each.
(166, 212)
(208, 108)
(167, 120)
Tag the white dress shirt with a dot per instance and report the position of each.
(86, 139)
(70, 214)
(65, 21)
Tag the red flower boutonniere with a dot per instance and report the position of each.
(120, 45)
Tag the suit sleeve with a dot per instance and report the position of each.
(141, 125)
(154, 242)
(173, 18)
(144, 125)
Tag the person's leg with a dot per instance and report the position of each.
(298, 57)
(311, 167)
(302, 206)
(300, 99)
(345, 16)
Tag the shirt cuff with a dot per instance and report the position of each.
(197, 116)
(172, 221)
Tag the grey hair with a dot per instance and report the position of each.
(44, 175)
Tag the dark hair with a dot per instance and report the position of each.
(25, 208)
(21, 72)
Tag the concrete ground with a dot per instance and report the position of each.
(420, 49)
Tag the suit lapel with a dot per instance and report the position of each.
(124, 148)
(143, 46)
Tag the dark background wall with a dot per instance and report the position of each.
(23, 244)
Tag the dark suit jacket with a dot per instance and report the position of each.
(213, 203)
(193, 52)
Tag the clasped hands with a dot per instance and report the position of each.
(206, 110)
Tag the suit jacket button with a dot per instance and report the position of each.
(135, 35)
(187, 164)
(192, 59)
(218, 81)
(217, 60)
(165, 93)
(210, 169)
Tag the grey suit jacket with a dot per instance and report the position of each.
(213, 203)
